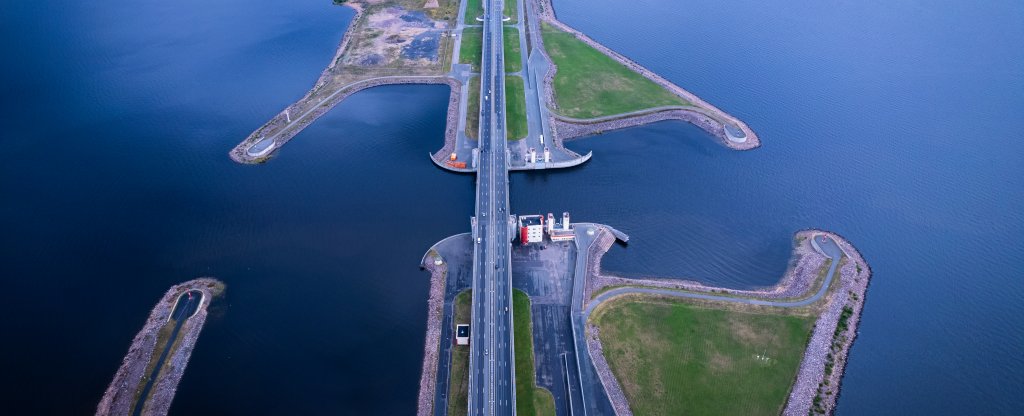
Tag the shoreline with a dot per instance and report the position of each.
(284, 130)
(119, 398)
(702, 114)
(818, 380)
(431, 346)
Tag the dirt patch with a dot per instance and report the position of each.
(393, 36)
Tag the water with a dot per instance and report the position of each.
(895, 124)
(116, 185)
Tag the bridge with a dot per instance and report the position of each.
(491, 361)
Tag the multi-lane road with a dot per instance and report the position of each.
(491, 365)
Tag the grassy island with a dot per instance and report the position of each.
(513, 62)
(473, 106)
(474, 9)
(530, 399)
(458, 395)
(515, 107)
(674, 357)
(591, 84)
(471, 48)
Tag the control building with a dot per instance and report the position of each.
(531, 229)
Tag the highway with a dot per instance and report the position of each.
(491, 365)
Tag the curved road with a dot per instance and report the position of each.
(825, 245)
(586, 369)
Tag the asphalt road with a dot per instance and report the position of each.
(184, 308)
(491, 376)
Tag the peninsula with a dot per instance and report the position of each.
(562, 83)
(149, 374)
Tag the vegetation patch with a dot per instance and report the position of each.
(511, 10)
(458, 393)
(472, 47)
(513, 60)
(530, 399)
(515, 108)
(474, 9)
(473, 109)
(839, 340)
(591, 84)
(673, 357)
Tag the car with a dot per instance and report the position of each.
(478, 240)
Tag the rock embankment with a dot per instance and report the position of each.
(452, 122)
(287, 131)
(798, 281)
(432, 345)
(818, 379)
(120, 396)
(702, 114)
(816, 388)
(611, 385)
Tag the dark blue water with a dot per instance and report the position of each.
(896, 124)
(117, 119)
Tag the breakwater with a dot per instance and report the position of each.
(334, 85)
(837, 301)
(431, 347)
(702, 114)
(127, 386)
(286, 131)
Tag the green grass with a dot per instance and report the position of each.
(513, 60)
(515, 108)
(675, 358)
(590, 84)
(458, 393)
(474, 8)
(511, 10)
(530, 399)
(473, 108)
(472, 47)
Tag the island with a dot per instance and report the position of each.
(149, 374)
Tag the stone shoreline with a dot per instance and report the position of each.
(703, 115)
(119, 397)
(798, 280)
(285, 131)
(432, 345)
(239, 154)
(819, 379)
(815, 388)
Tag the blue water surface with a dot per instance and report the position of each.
(894, 123)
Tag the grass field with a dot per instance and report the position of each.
(513, 62)
(473, 108)
(472, 47)
(458, 393)
(515, 107)
(675, 358)
(530, 399)
(511, 10)
(474, 8)
(590, 84)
